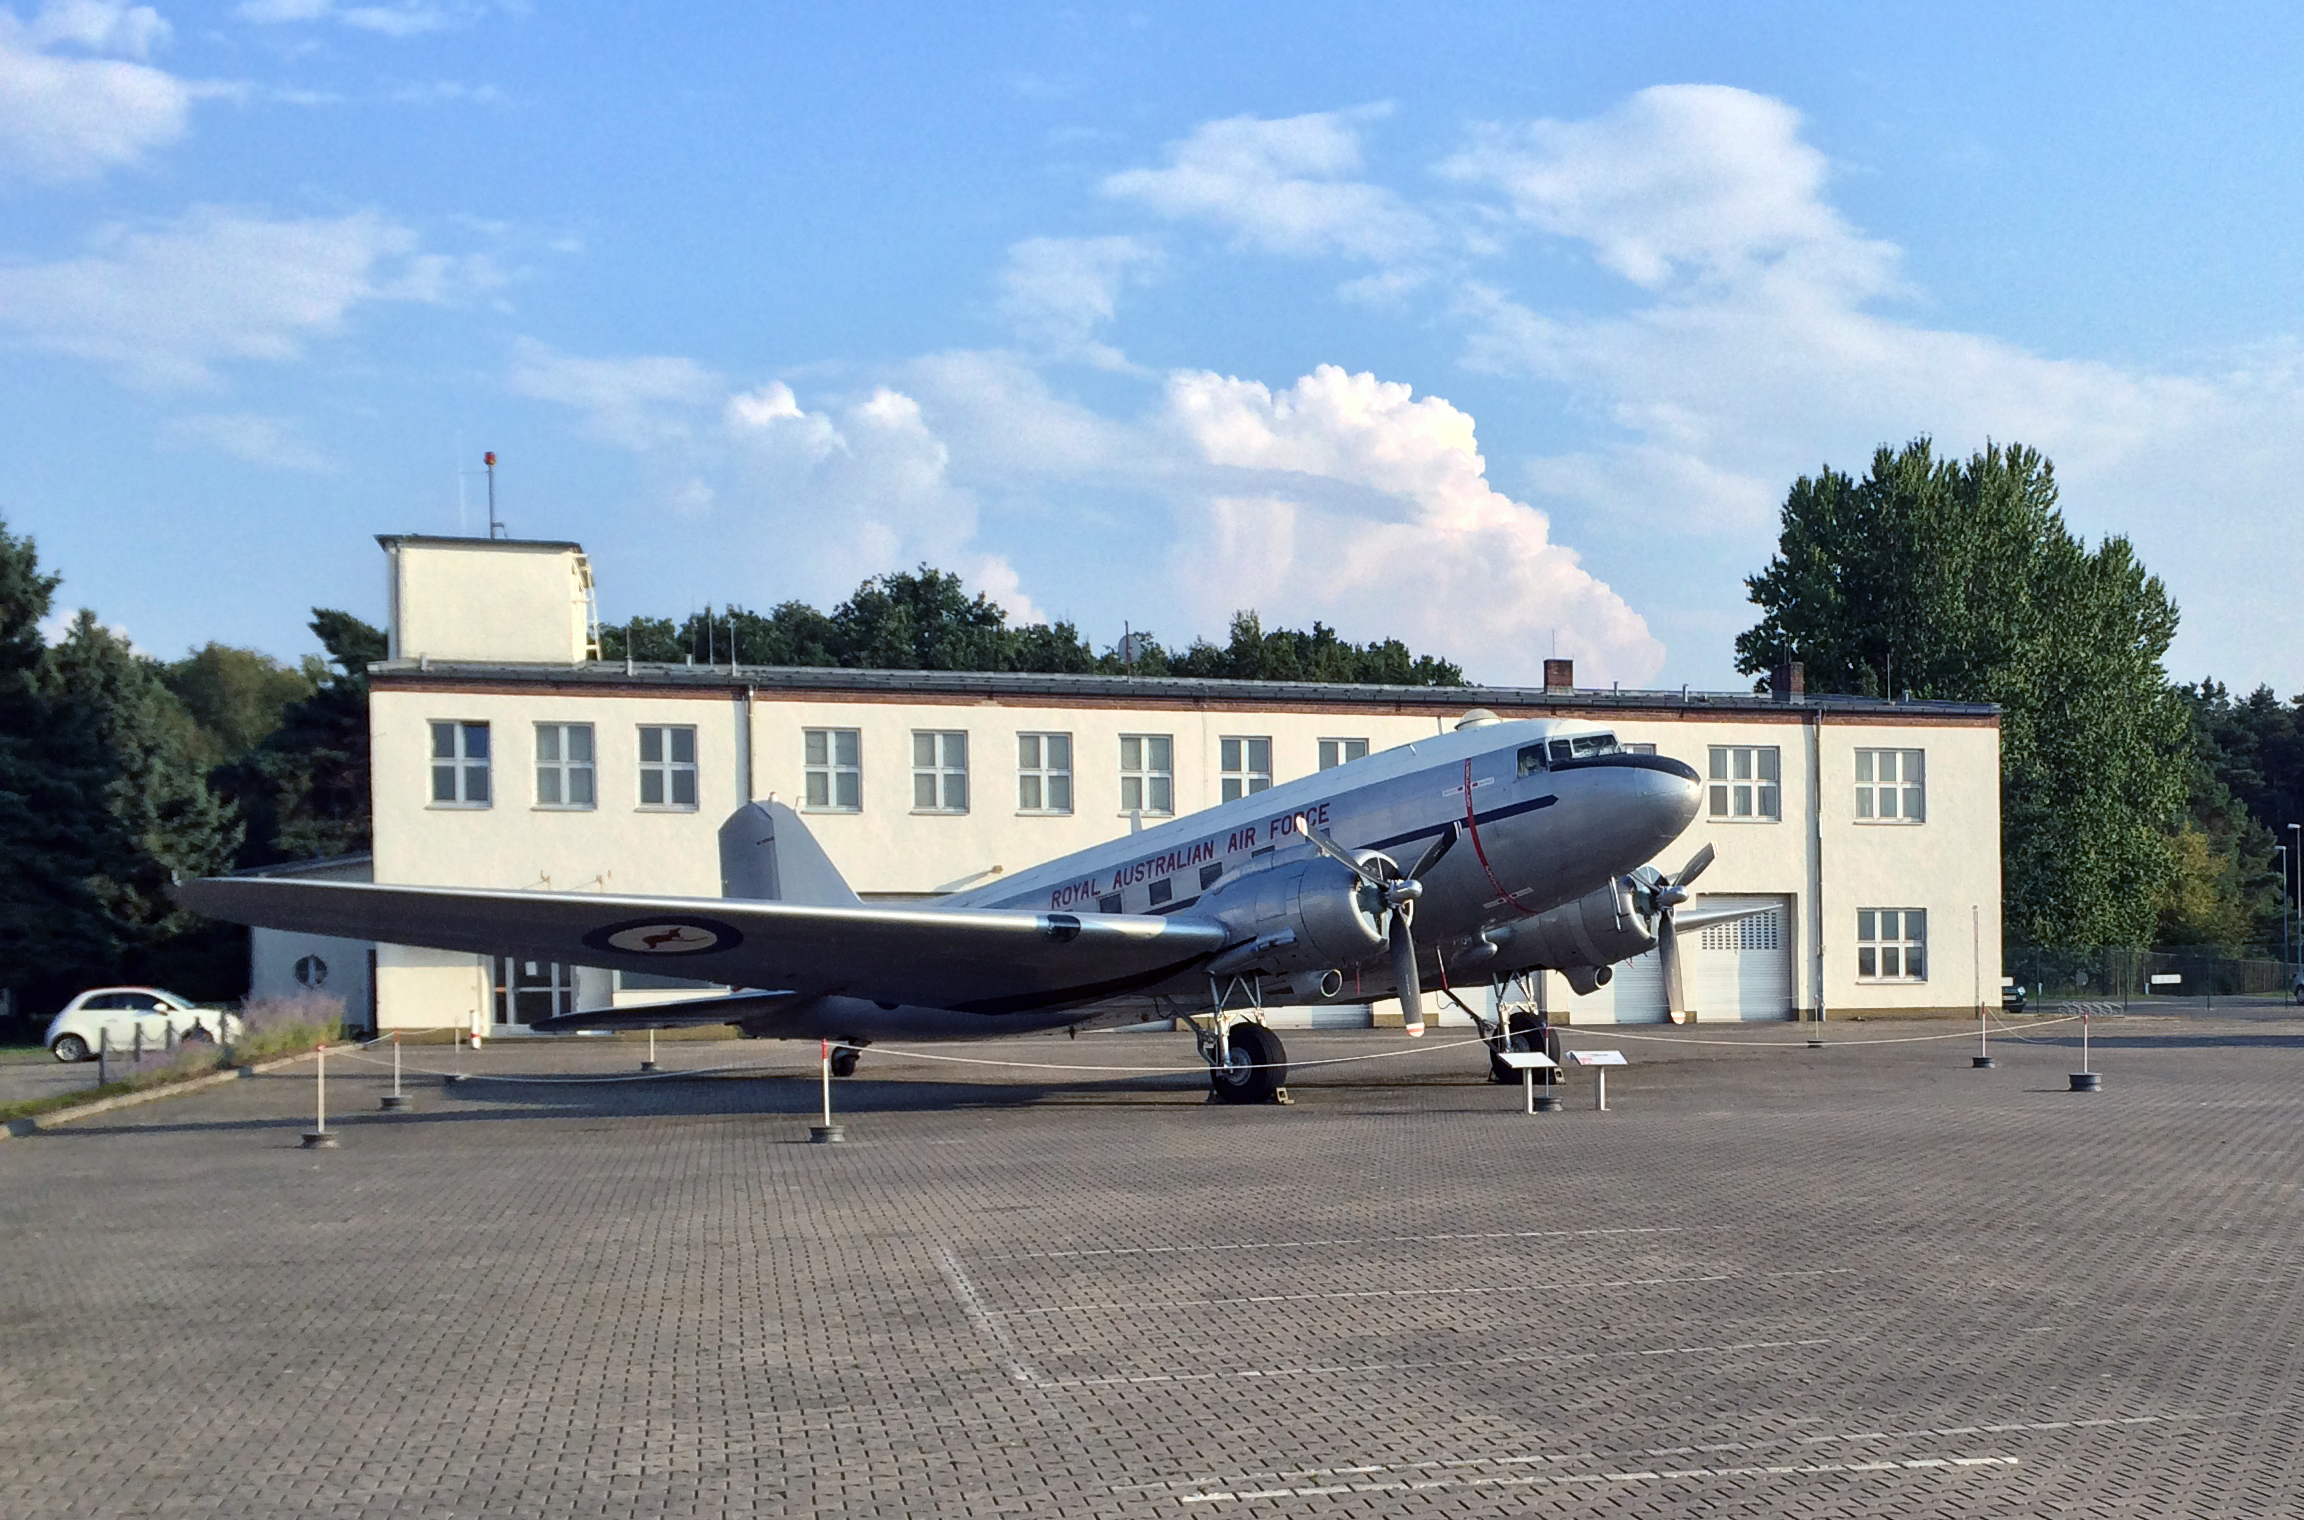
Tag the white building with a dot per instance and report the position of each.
(506, 754)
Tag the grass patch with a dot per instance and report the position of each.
(269, 1029)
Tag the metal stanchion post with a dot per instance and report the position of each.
(650, 1063)
(455, 1055)
(826, 1133)
(317, 1138)
(1600, 1097)
(2085, 1080)
(395, 1098)
(104, 1055)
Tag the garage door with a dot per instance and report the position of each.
(1325, 1015)
(1741, 970)
(1635, 996)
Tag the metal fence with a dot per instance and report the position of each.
(2130, 974)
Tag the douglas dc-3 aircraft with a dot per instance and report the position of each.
(1472, 856)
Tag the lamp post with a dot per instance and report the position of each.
(2296, 858)
(2286, 961)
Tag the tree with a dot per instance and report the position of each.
(1960, 581)
(237, 696)
(927, 620)
(305, 789)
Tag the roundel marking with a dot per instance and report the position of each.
(671, 935)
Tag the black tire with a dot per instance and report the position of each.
(1257, 1070)
(1522, 1037)
(844, 1060)
(197, 1035)
(69, 1048)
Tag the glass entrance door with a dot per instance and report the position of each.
(527, 991)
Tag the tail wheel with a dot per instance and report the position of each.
(1255, 1066)
(844, 1060)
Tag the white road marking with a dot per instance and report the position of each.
(1012, 1356)
(1348, 1240)
(1563, 1480)
(1161, 1305)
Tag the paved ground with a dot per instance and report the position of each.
(1863, 1280)
(34, 1073)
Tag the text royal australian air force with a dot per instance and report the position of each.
(1184, 859)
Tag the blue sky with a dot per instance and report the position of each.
(1499, 328)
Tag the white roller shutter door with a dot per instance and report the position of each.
(1634, 996)
(1741, 970)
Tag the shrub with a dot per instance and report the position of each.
(285, 1026)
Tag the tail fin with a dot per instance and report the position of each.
(768, 855)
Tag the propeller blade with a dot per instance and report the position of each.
(1697, 865)
(1404, 972)
(1668, 951)
(1337, 853)
(1438, 848)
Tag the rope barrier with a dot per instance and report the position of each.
(1612, 1032)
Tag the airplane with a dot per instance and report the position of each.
(1479, 855)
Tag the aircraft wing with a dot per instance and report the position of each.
(972, 960)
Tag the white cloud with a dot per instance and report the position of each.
(1059, 291)
(163, 305)
(638, 402)
(404, 20)
(272, 442)
(68, 117)
(1284, 186)
(1352, 501)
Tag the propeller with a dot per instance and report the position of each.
(1667, 893)
(1396, 893)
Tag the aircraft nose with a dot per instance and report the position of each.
(1658, 796)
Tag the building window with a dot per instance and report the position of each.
(1892, 944)
(667, 767)
(1044, 773)
(1335, 752)
(528, 991)
(460, 764)
(564, 765)
(832, 760)
(939, 773)
(1891, 785)
(1246, 766)
(1147, 773)
(1747, 782)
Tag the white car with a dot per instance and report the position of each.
(74, 1034)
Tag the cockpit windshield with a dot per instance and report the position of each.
(1578, 746)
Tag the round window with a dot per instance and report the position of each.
(311, 971)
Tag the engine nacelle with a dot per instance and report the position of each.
(1585, 936)
(1307, 915)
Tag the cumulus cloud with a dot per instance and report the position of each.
(273, 442)
(76, 95)
(1352, 500)
(1287, 186)
(1058, 291)
(164, 304)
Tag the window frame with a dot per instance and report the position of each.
(1235, 781)
(941, 773)
(1869, 789)
(668, 769)
(562, 768)
(1335, 752)
(1147, 776)
(1721, 783)
(1043, 775)
(1878, 946)
(462, 764)
(832, 770)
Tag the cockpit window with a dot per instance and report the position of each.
(1531, 759)
(1578, 747)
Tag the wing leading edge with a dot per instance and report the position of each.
(988, 960)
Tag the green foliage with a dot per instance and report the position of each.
(1960, 581)
(305, 789)
(926, 620)
(236, 696)
(2247, 788)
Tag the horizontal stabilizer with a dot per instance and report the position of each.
(688, 1013)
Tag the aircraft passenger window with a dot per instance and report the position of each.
(1162, 891)
(1531, 758)
(1108, 904)
(1210, 874)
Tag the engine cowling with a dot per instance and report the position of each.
(1306, 915)
(1588, 935)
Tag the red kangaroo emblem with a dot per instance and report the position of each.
(677, 936)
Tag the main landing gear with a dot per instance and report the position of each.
(1521, 1024)
(1246, 1062)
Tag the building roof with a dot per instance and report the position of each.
(451, 540)
(605, 677)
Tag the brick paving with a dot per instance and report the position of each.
(1858, 1281)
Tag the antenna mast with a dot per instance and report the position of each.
(495, 528)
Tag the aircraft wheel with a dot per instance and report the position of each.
(844, 1060)
(1257, 1067)
(1522, 1037)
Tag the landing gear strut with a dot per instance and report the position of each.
(1246, 1062)
(1521, 1024)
